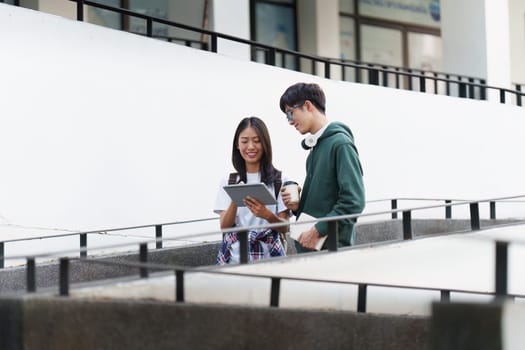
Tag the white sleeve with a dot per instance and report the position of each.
(222, 200)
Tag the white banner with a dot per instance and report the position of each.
(423, 12)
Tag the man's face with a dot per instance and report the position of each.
(299, 117)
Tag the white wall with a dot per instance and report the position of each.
(103, 128)
(517, 39)
(498, 43)
(476, 40)
(463, 33)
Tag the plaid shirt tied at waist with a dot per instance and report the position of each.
(256, 250)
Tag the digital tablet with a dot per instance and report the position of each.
(238, 192)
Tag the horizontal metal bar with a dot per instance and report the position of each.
(266, 276)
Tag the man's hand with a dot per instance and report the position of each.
(309, 239)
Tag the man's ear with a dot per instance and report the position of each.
(309, 105)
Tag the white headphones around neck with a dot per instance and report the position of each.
(309, 142)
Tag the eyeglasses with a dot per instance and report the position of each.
(289, 113)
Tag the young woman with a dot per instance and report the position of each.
(252, 159)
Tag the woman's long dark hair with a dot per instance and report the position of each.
(268, 172)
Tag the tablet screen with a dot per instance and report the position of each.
(238, 192)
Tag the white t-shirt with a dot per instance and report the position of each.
(244, 216)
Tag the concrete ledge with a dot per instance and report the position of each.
(465, 326)
(474, 326)
(63, 323)
(14, 279)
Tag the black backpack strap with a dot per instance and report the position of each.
(277, 183)
(233, 178)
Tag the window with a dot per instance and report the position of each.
(403, 33)
(105, 18)
(154, 8)
(274, 24)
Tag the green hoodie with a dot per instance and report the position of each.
(334, 182)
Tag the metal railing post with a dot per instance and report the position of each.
(214, 42)
(158, 236)
(471, 88)
(445, 296)
(373, 76)
(518, 95)
(474, 217)
(143, 256)
(361, 298)
(422, 84)
(407, 225)
(462, 89)
(501, 268)
(64, 277)
(243, 241)
(482, 90)
(393, 206)
(333, 236)
(327, 70)
(83, 245)
(31, 275)
(271, 57)
(149, 27)
(2, 252)
(448, 209)
(179, 289)
(501, 96)
(275, 290)
(492, 206)
(80, 10)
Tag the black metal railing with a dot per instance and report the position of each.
(500, 278)
(500, 285)
(360, 72)
(158, 228)
(83, 236)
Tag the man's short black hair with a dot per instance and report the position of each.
(298, 93)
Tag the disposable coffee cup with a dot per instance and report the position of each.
(292, 188)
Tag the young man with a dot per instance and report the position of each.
(334, 178)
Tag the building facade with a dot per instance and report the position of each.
(479, 38)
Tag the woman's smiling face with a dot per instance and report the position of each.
(250, 147)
